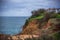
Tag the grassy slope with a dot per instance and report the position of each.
(39, 17)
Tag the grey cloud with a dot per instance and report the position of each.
(20, 7)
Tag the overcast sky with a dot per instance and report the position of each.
(24, 7)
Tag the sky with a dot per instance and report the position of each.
(24, 7)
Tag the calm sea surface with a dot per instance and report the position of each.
(11, 25)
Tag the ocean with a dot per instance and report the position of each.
(11, 25)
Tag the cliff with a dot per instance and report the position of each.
(41, 20)
(42, 24)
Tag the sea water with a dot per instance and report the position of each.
(11, 25)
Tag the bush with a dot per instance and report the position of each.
(57, 36)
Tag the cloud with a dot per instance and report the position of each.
(24, 7)
(15, 1)
(16, 12)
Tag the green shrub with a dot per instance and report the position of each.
(58, 16)
(57, 36)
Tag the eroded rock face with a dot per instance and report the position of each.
(4, 37)
(55, 24)
(52, 26)
(32, 28)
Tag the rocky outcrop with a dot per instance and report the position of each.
(32, 28)
(4, 37)
(48, 25)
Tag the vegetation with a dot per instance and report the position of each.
(58, 16)
(38, 17)
(57, 36)
(42, 14)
